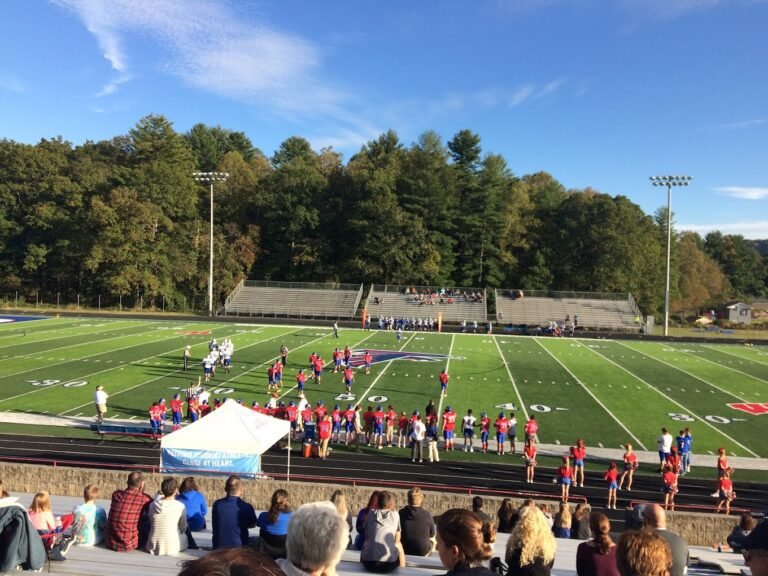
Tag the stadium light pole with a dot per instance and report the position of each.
(669, 182)
(210, 177)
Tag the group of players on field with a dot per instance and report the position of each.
(379, 427)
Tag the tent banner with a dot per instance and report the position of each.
(183, 460)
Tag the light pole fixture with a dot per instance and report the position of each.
(210, 177)
(669, 182)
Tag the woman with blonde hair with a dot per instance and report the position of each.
(597, 557)
(464, 542)
(339, 500)
(561, 526)
(531, 547)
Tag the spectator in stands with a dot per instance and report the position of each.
(127, 523)
(740, 532)
(317, 536)
(464, 542)
(273, 525)
(561, 527)
(232, 517)
(340, 501)
(531, 547)
(195, 504)
(90, 519)
(362, 515)
(382, 551)
(655, 518)
(50, 529)
(755, 550)
(417, 526)
(597, 557)
(477, 508)
(167, 521)
(232, 562)
(508, 516)
(580, 522)
(643, 553)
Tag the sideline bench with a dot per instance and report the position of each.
(141, 432)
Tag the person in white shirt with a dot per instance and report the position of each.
(100, 399)
(468, 426)
(664, 443)
(418, 432)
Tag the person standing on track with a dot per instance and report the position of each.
(670, 487)
(402, 430)
(531, 429)
(418, 431)
(449, 427)
(391, 416)
(630, 465)
(433, 436)
(610, 476)
(468, 429)
(725, 492)
(324, 431)
(349, 427)
(564, 475)
(177, 412)
(529, 452)
(502, 425)
(664, 444)
(336, 418)
(684, 444)
(378, 427)
(485, 429)
(512, 433)
(100, 400)
(578, 452)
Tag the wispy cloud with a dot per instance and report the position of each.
(745, 193)
(11, 84)
(755, 230)
(730, 126)
(210, 45)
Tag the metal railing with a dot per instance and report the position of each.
(559, 294)
(302, 285)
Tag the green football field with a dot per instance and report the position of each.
(608, 392)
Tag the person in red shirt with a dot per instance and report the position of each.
(502, 425)
(347, 355)
(156, 412)
(368, 360)
(292, 414)
(578, 452)
(725, 492)
(670, 487)
(317, 371)
(307, 416)
(391, 416)
(205, 408)
(320, 410)
(630, 465)
(312, 358)
(674, 460)
(349, 379)
(336, 357)
(193, 408)
(301, 379)
(485, 430)
(177, 411)
(128, 508)
(449, 427)
(336, 418)
(349, 430)
(529, 453)
(443, 377)
(378, 427)
(611, 476)
(271, 382)
(324, 427)
(565, 475)
(368, 422)
(402, 430)
(532, 428)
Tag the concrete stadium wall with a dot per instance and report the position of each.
(696, 529)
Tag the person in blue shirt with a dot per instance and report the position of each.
(194, 502)
(684, 443)
(273, 525)
(232, 517)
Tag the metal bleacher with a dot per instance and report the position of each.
(268, 299)
(394, 302)
(596, 311)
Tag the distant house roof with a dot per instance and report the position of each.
(733, 305)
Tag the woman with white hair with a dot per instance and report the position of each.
(531, 547)
(317, 537)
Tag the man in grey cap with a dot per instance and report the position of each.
(755, 550)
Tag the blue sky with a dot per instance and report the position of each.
(600, 93)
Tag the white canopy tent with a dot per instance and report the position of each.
(229, 439)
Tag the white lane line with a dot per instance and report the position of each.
(512, 379)
(595, 398)
(739, 356)
(702, 420)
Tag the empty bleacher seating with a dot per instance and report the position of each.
(293, 300)
(594, 310)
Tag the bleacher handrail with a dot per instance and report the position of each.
(234, 293)
(564, 294)
(357, 300)
(400, 288)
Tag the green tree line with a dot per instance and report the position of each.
(126, 218)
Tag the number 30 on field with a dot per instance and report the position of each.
(73, 384)
(687, 418)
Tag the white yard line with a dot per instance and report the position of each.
(511, 378)
(595, 398)
(760, 362)
(699, 418)
(384, 369)
(694, 375)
